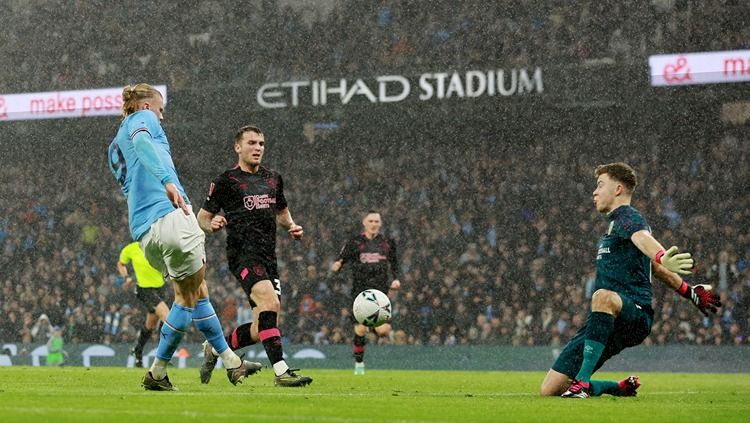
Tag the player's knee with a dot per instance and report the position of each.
(383, 330)
(269, 303)
(604, 300)
(546, 390)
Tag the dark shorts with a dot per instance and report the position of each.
(632, 326)
(151, 297)
(250, 270)
(359, 286)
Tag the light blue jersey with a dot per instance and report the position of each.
(142, 174)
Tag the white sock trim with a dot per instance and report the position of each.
(280, 368)
(158, 368)
(230, 359)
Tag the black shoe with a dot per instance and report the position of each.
(138, 354)
(151, 384)
(292, 379)
(247, 368)
(209, 362)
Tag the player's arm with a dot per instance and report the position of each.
(210, 222)
(143, 144)
(675, 262)
(344, 256)
(284, 219)
(123, 271)
(700, 295)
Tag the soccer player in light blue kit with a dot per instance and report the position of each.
(162, 221)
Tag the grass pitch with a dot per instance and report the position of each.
(77, 394)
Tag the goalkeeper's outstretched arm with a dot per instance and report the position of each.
(681, 263)
(700, 295)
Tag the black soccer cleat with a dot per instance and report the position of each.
(290, 378)
(138, 354)
(151, 384)
(247, 368)
(209, 363)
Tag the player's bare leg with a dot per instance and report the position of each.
(554, 384)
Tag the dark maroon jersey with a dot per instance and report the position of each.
(250, 202)
(370, 260)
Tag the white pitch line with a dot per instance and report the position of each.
(203, 415)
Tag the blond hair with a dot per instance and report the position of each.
(132, 95)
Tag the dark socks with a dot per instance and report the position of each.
(240, 337)
(143, 336)
(598, 330)
(359, 348)
(270, 336)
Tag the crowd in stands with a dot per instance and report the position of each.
(496, 234)
(497, 239)
(230, 43)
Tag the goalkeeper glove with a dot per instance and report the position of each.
(677, 263)
(701, 296)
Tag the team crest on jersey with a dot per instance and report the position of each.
(259, 270)
(272, 183)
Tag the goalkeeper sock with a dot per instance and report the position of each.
(172, 331)
(599, 387)
(600, 327)
(240, 337)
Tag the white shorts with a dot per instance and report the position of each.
(175, 245)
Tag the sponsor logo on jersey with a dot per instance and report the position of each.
(371, 257)
(602, 250)
(255, 202)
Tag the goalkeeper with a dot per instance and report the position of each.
(621, 313)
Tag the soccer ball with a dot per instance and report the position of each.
(372, 308)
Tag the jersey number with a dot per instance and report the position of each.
(117, 163)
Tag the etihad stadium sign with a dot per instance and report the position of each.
(397, 88)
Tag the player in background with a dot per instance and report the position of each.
(162, 221)
(149, 289)
(371, 254)
(252, 199)
(621, 315)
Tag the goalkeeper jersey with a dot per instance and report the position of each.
(620, 266)
(145, 275)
